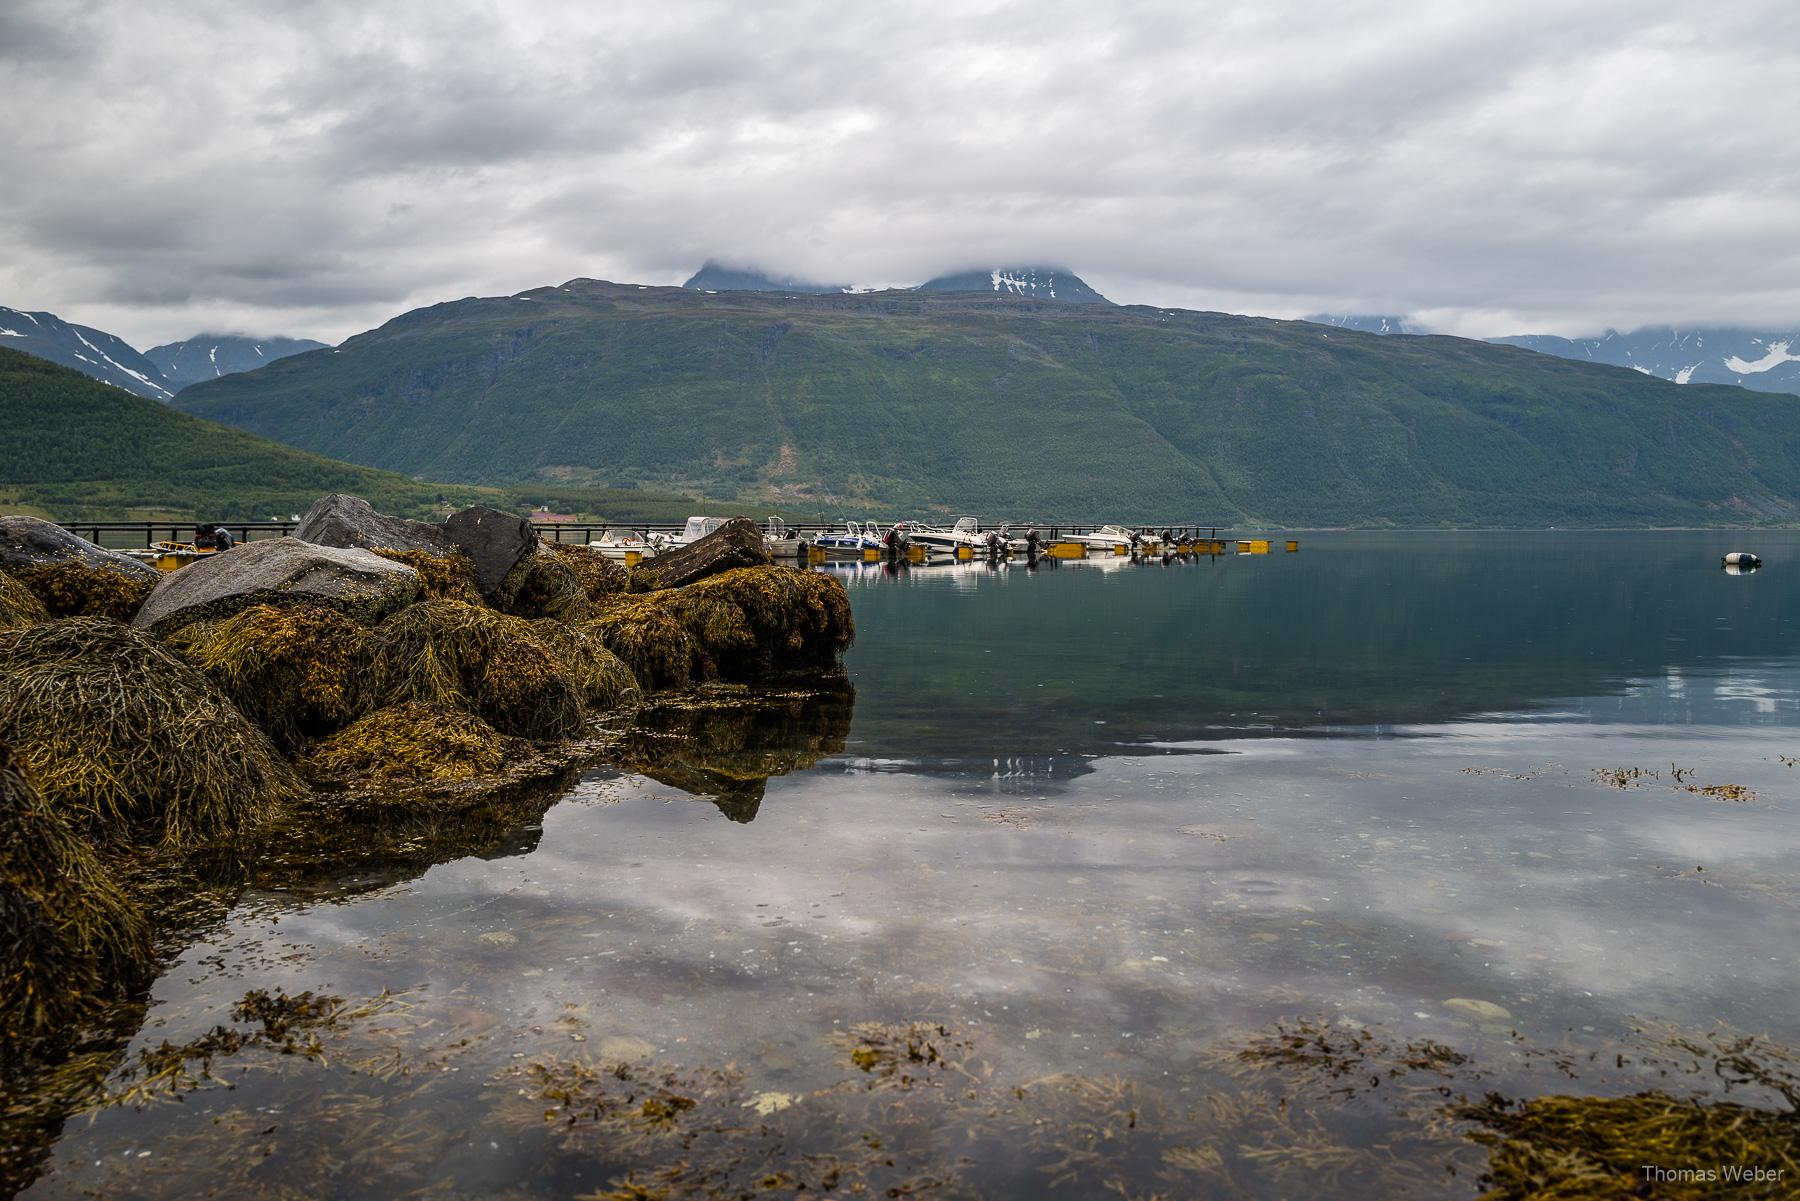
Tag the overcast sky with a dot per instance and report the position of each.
(314, 168)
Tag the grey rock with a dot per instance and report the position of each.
(494, 541)
(737, 543)
(31, 541)
(280, 571)
(339, 520)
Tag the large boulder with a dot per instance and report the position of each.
(280, 571)
(737, 543)
(33, 542)
(348, 521)
(494, 541)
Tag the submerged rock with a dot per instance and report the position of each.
(33, 542)
(350, 521)
(281, 571)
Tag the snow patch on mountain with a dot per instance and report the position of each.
(1775, 356)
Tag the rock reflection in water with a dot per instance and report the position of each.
(724, 743)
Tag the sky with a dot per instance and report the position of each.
(314, 168)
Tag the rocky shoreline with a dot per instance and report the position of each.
(360, 687)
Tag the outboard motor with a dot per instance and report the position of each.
(1031, 545)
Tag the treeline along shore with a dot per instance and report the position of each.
(368, 682)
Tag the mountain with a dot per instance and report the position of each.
(1033, 283)
(1368, 324)
(1767, 360)
(77, 450)
(904, 402)
(89, 351)
(714, 277)
(209, 356)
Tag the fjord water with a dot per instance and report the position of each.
(1092, 821)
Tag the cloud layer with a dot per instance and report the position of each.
(315, 168)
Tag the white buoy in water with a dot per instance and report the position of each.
(1742, 558)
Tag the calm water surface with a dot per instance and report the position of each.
(1095, 826)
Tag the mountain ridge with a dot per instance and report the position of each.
(77, 449)
(909, 401)
(208, 356)
(1762, 360)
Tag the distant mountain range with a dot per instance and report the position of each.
(909, 402)
(157, 374)
(1031, 283)
(93, 352)
(211, 355)
(1766, 360)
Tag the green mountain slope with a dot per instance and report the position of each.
(75, 449)
(1013, 408)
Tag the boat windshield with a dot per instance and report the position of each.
(966, 525)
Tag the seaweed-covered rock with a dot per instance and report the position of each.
(649, 640)
(350, 521)
(34, 542)
(298, 671)
(69, 937)
(280, 571)
(542, 586)
(737, 543)
(599, 675)
(412, 744)
(448, 576)
(741, 625)
(599, 576)
(494, 542)
(446, 652)
(19, 605)
(127, 740)
(78, 589)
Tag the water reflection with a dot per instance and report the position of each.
(724, 744)
(1496, 784)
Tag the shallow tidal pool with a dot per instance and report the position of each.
(1235, 877)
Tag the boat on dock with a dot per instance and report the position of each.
(855, 538)
(631, 545)
(940, 540)
(1115, 540)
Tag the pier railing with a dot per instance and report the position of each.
(127, 535)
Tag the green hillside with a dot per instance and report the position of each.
(902, 401)
(75, 449)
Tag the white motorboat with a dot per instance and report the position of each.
(696, 529)
(936, 539)
(782, 542)
(1115, 539)
(854, 538)
(621, 544)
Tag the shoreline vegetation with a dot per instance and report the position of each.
(288, 707)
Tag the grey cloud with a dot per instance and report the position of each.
(312, 169)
